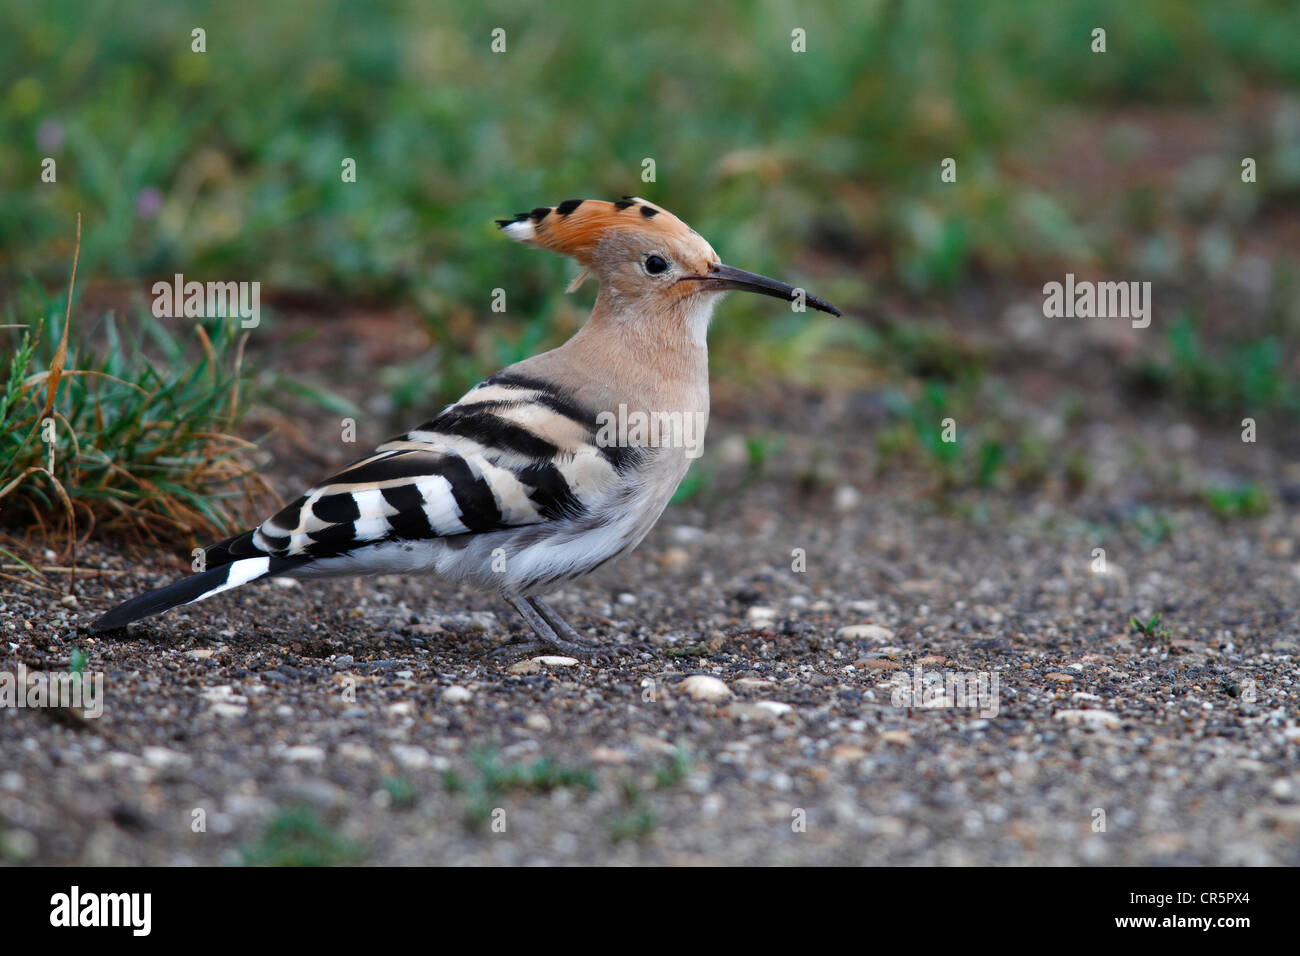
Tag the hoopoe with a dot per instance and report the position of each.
(520, 485)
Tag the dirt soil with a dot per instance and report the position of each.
(352, 722)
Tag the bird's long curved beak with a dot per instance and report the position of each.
(728, 277)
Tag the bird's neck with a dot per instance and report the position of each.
(659, 361)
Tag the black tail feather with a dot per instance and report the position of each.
(180, 592)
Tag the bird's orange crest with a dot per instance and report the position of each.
(576, 226)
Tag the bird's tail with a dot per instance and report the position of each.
(194, 588)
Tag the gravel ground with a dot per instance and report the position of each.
(363, 721)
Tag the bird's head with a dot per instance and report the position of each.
(646, 259)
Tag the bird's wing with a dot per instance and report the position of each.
(513, 451)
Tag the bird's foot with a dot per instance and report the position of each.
(555, 635)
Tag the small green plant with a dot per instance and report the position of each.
(1152, 629)
(541, 776)
(77, 661)
(936, 430)
(297, 837)
(494, 780)
(1152, 526)
(693, 485)
(1240, 501)
(761, 449)
(991, 456)
(638, 820)
(400, 791)
(675, 770)
(930, 351)
(637, 824)
(1033, 461)
(1243, 374)
(1078, 473)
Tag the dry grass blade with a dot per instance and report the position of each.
(61, 353)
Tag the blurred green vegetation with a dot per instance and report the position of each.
(494, 780)
(1245, 375)
(296, 836)
(820, 167)
(1239, 501)
(228, 162)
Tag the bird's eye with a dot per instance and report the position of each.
(655, 264)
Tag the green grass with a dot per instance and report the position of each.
(698, 481)
(1238, 501)
(1152, 526)
(540, 776)
(494, 780)
(143, 430)
(297, 837)
(691, 650)
(1152, 629)
(637, 820)
(675, 770)
(960, 435)
(1246, 379)
(401, 792)
(637, 824)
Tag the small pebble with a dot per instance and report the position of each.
(865, 632)
(455, 694)
(704, 687)
(556, 661)
(1095, 718)
(304, 753)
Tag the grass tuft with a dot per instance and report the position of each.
(136, 444)
(297, 837)
(495, 780)
(1240, 501)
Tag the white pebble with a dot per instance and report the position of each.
(304, 753)
(865, 632)
(410, 756)
(846, 498)
(1098, 719)
(704, 687)
(556, 661)
(455, 694)
(161, 757)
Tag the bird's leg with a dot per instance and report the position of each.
(547, 638)
(555, 634)
(561, 627)
(566, 631)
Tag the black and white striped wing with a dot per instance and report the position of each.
(512, 452)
